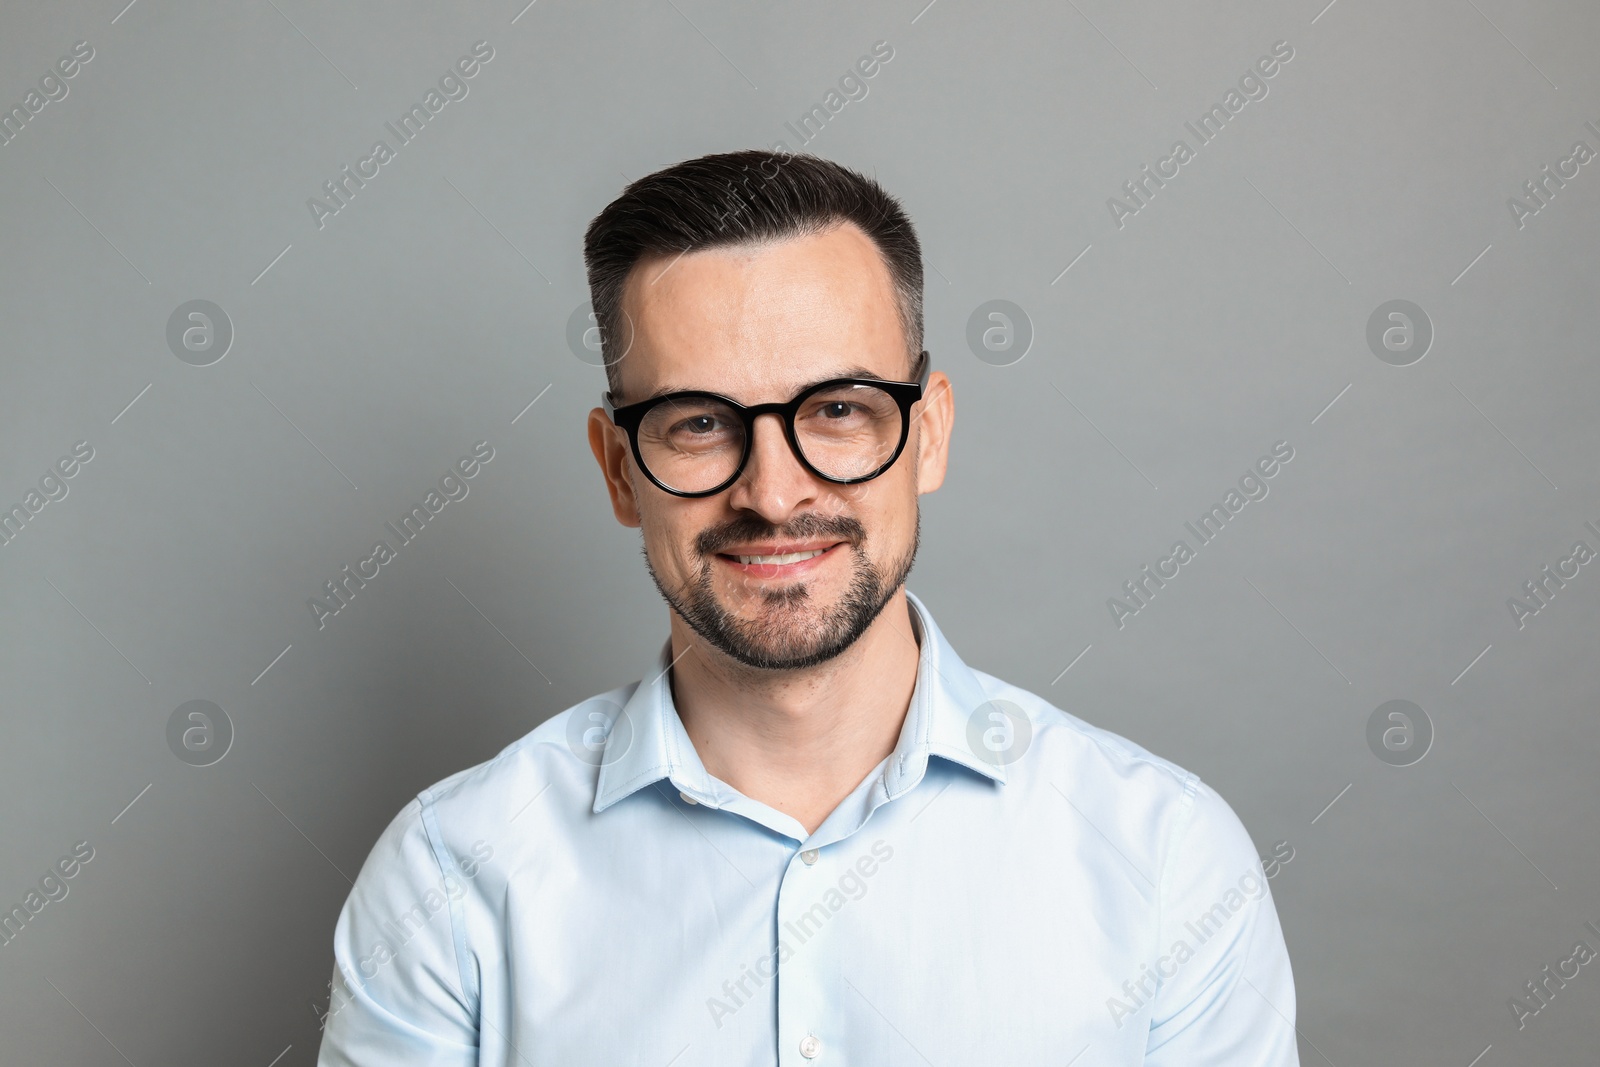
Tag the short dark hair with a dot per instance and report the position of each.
(742, 198)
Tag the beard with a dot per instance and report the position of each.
(793, 631)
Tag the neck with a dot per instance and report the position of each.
(798, 741)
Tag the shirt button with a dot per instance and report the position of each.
(810, 1047)
(810, 856)
(687, 799)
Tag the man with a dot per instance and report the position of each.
(810, 834)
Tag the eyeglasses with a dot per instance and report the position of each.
(845, 431)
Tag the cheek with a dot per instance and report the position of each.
(844, 500)
(661, 537)
(887, 507)
(669, 529)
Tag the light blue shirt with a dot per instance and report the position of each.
(1011, 886)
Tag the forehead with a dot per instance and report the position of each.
(757, 321)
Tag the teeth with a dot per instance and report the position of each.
(788, 557)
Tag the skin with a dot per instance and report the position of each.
(757, 325)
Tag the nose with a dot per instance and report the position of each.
(773, 484)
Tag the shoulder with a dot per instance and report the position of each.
(1123, 785)
(481, 809)
(1064, 739)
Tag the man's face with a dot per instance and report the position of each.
(782, 569)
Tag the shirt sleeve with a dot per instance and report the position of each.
(1225, 993)
(398, 982)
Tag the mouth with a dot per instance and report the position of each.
(779, 561)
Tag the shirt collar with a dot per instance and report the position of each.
(652, 744)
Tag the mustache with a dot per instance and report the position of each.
(754, 528)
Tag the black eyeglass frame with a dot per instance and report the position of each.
(906, 394)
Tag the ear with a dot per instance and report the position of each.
(609, 443)
(934, 417)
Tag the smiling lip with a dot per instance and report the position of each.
(778, 560)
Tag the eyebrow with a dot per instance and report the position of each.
(848, 372)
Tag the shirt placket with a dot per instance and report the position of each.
(807, 977)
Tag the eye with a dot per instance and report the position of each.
(701, 428)
(837, 409)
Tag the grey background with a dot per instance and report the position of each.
(370, 354)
